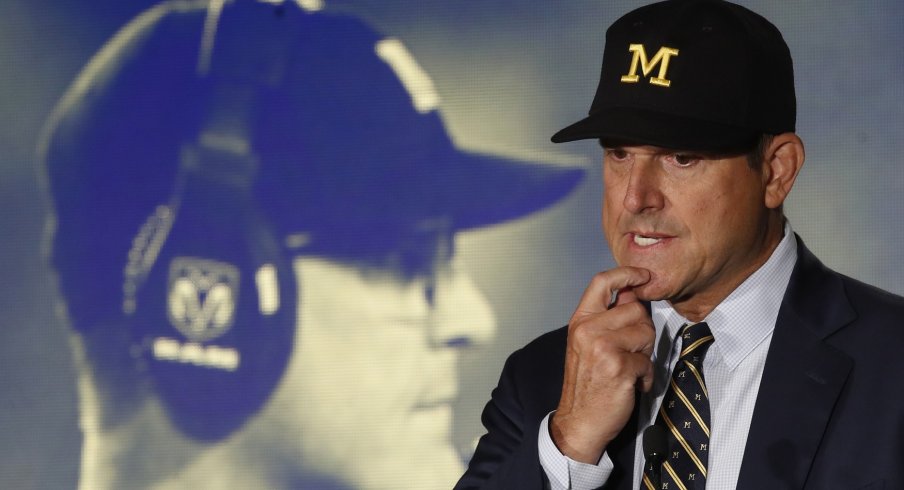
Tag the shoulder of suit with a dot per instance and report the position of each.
(540, 354)
(552, 341)
(861, 293)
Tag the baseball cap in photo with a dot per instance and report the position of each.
(704, 75)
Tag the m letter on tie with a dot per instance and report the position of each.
(686, 421)
(661, 58)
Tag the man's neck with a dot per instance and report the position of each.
(697, 307)
(148, 452)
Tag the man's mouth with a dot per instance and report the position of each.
(432, 421)
(643, 240)
(646, 241)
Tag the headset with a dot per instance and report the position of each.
(207, 292)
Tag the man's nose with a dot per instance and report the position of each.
(461, 314)
(643, 192)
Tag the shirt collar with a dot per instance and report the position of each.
(747, 316)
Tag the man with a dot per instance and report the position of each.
(755, 365)
(255, 211)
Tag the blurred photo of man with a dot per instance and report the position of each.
(255, 210)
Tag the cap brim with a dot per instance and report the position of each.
(659, 129)
(465, 189)
(479, 190)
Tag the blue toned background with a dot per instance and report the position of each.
(509, 74)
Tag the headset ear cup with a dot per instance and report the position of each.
(215, 319)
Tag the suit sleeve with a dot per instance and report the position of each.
(507, 456)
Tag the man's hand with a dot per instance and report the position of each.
(609, 349)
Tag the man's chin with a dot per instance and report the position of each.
(655, 290)
(430, 467)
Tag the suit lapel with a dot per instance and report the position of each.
(801, 381)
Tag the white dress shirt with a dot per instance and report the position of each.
(742, 325)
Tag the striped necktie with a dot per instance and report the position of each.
(684, 414)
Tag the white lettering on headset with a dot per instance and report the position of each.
(209, 356)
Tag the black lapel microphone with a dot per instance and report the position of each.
(654, 448)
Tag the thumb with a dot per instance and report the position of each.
(598, 295)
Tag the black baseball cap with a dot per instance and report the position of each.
(704, 75)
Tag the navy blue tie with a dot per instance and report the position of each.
(684, 414)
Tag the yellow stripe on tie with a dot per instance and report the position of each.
(675, 478)
(687, 350)
(683, 442)
(690, 408)
(699, 378)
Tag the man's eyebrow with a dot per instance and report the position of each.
(705, 155)
(708, 154)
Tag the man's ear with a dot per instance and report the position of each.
(782, 161)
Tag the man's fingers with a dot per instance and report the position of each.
(598, 295)
(637, 336)
(631, 314)
(641, 369)
(646, 381)
(624, 296)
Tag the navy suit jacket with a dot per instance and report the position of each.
(829, 413)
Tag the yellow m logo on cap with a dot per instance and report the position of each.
(661, 58)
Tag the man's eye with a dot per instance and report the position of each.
(617, 154)
(683, 159)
